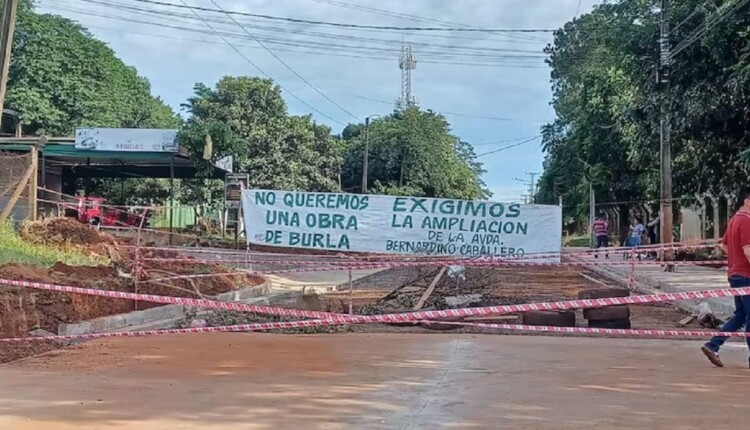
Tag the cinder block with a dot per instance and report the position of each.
(74, 329)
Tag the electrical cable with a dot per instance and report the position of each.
(704, 28)
(241, 54)
(285, 64)
(523, 142)
(345, 25)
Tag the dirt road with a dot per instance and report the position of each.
(376, 381)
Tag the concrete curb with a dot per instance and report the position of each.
(648, 285)
(121, 322)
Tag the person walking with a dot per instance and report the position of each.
(736, 244)
(601, 230)
(636, 234)
(653, 236)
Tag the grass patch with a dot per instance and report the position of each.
(13, 249)
(577, 241)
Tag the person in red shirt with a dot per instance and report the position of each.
(601, 230)
(736, 244)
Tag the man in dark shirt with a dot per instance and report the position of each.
(736, 244)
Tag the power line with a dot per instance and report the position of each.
(446, 113)
(327, 49)
(241, 54)
(510, 146)
(301, 29)
(416, 18)
(497, 142)
(285, 64)
(398, 41)
(345, 25)
(704, 28)
(436, 56)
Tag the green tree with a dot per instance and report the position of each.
(247, 118)
(61, 78)
(412, 152)
(607, 100)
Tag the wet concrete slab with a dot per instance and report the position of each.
(375, 381)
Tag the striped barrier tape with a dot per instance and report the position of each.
(475, 263)
(219, 329)
(387, 318)
(618, 250)
(604, 331)
(329, 322)
(528, 259)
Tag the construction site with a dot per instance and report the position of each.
(402, 342)
(361, 214)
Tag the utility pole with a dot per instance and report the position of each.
(665, 144)
(7, 27)
(532, 175)
(367, 155)
(592, 214)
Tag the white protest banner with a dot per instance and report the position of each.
(402, 225)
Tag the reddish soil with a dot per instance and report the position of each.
(62, 230)
(22, 310)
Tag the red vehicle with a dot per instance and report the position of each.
(92, 210)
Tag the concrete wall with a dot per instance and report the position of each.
(153, 315)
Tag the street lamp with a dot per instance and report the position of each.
(367, 153)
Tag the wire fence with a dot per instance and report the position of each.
(13, 168)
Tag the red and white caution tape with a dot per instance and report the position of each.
(328, 322)
(471, 263)
(386, 258)
(387, 318)
(603, 331)
(222, 329)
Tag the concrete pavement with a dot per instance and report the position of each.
(653, 279)
(243, 381)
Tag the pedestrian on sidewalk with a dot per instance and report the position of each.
(601, 230)
(653, 236)
(636, 234)
(736, 244)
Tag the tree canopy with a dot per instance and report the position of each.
(61, 78)
(607, 99)
(412, 152)
(247, 118)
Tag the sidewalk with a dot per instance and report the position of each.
(319, 282)
(652, 279)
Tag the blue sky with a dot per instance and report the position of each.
(364, 80)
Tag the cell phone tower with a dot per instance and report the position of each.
(407, 62)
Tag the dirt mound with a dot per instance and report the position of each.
(23, 309)
(85, 272)
(64, 231)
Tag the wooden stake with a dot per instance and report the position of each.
(351, 293)
(33, 185)
(430, 289)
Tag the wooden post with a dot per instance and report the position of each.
(33, 184)
(351, 293)
(7, 27)
(430, 289)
